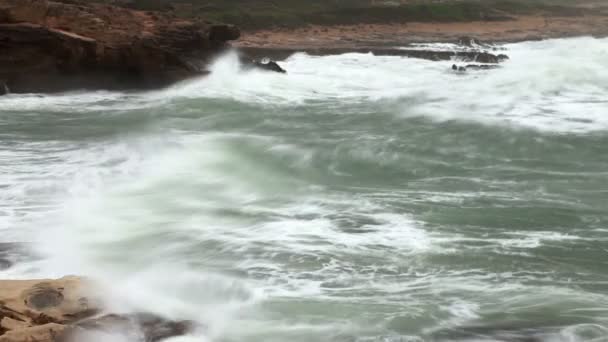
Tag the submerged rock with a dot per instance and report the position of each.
(474, 67)
(482, 66)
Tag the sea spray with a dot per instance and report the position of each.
(357, 198)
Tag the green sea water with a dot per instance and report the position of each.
(357, 198)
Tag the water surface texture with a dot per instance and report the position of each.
(358, 198)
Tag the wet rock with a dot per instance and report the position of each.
(55, 46)
(39, 302)
(430, 54)
(474, 67)
(264, 63)
(65, 310)
(44, 333)
(151, 328)
(458, 68)
(472, 42)
(485, 57)
(269, 66)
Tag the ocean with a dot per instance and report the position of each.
(357, 198)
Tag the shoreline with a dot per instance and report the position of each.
(523, 28)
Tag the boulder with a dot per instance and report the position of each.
(55, 46)
(269, 66)
(147, 327)
(264, 63)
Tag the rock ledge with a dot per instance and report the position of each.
(63, 310)
(50, 46)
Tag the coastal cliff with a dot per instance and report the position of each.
(50, 46)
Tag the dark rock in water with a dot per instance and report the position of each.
(458, 68)
(485, 57)
(472, 42)
(468, 41)
(433, 55)
(264, 63)
(270, 66)
(153, 328)
(482, 66)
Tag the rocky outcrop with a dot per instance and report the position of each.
(64, 310)
(47, 46)
(265, 64)
(476, 56)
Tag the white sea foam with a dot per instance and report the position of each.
(225, 227)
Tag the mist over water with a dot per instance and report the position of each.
(358, 198)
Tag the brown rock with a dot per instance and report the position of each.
(64, 310)
(40, 302)
(45, 333)
(151, 327)
(55, 46)
(8, 323)
(16, 11)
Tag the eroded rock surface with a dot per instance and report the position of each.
(53, 46)
(64, 310)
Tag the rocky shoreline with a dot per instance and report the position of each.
(56, 46)
(70, 310)
(61, 45)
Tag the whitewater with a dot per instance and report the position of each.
(357, 198)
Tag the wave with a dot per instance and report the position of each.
(351, 199)
(554, 86)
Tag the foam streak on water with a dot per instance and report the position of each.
(358, 198)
